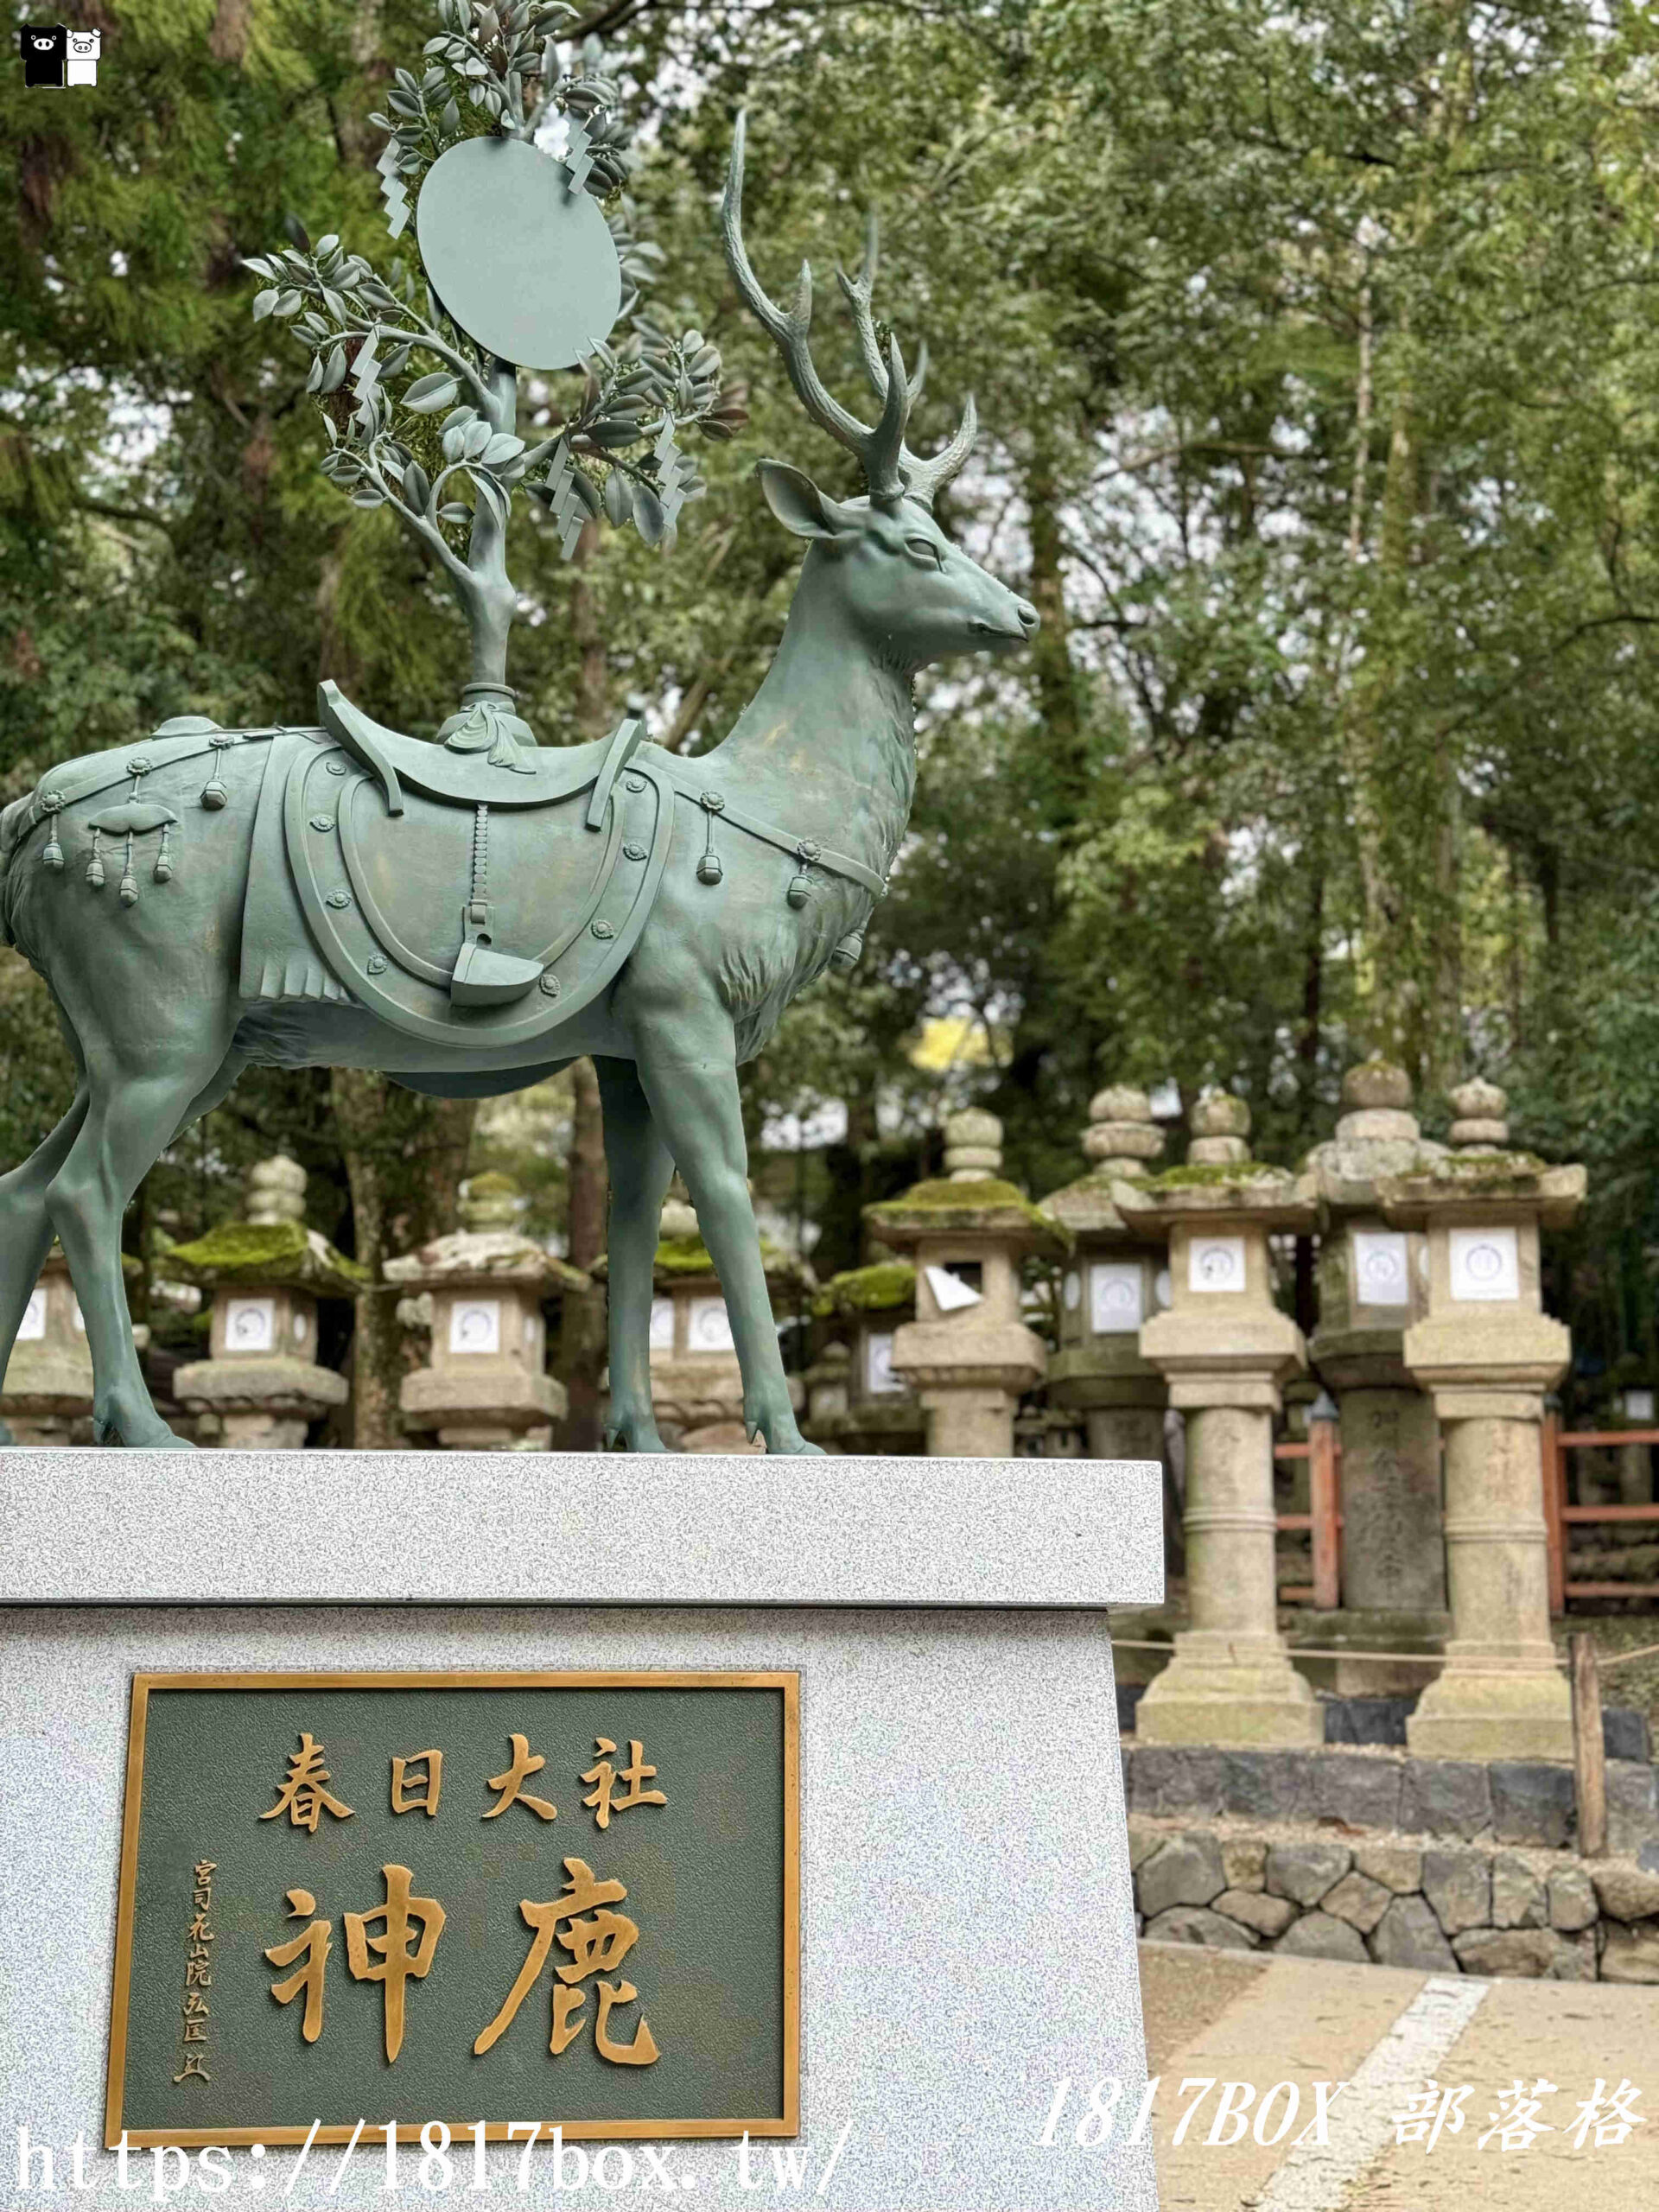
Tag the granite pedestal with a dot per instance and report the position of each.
(968, 1935)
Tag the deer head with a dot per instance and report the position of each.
(881, 564)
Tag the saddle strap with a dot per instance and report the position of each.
(189, 737)
(808, 850)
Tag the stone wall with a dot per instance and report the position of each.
(1527, 1802)
(1399, 1901)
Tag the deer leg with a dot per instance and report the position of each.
(26, 1226)
(641, 1168)
(212, 1094)
(694, 1102)
(128, 1118)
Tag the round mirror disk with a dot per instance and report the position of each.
(526, 267)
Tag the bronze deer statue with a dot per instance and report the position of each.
(340, 895)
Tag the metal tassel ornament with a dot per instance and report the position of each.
(801, 886)
(52, 856)
(214, 794)
(95, 865)
(708, 867)
(164, 858)
(128, 891)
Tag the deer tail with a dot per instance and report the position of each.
(14, 823)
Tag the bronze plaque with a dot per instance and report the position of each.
(488, 1900)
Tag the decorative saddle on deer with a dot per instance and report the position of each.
(483, 889)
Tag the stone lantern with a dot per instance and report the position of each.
(1373, 1286)
(48, 1379)
(697, 1385)
(1116, 1278)
(1226, 1350)
(480, 1291)
(882, 1418)
(260, 1386)
(968, 1355)
(1487, 1351)
(827, 1382)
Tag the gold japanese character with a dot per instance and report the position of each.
(604, 1777)
(429, 1783)
(398, 1963)
(196, 1975)
(596, 1944)
(643, 2049)
(194, 2069)
(302, 1797)
(206, 1869)
(524, 1763)
(315, 1942)
(200, 1932)
(196, 2016)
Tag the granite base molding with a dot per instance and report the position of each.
(1532, 1915)
(1381, 1721)
(1512, 1801)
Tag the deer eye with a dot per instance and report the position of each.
(924, 549)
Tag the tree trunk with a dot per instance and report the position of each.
(405, 1158)
(582, 1334)
(1060, 690)
(1403, 777)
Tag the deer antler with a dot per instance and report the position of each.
(922, 477)
(891, 470)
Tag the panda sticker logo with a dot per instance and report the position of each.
(83, 57)
(45, 51)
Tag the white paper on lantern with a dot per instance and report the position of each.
(1117, 1297)
(1638, 1407)
(75, 1313)
(1162, 1290)
(1216, 1263)
(32, 1327)
(250, 1325)
(709, 1325)
(1485, 1264)
(662, 1324)
(475, 1324)
(302, 1327)
(879, 1378)
(1381, 1267)
(1073, 1290)
(950, 1293)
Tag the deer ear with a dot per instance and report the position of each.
(799, 504)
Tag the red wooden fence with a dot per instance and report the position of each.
(1560, 1516)
(1323, 1452)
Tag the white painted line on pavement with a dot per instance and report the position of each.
(1316, 2176)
